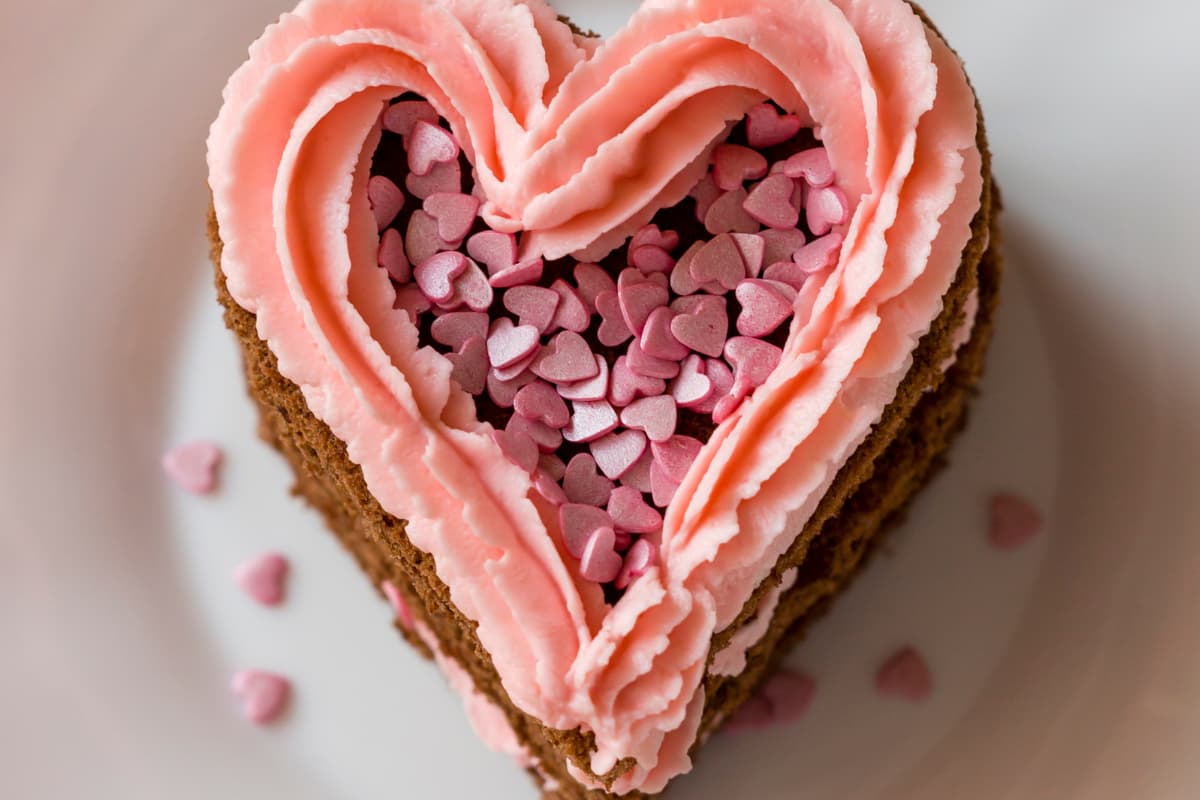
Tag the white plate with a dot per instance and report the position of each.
(1070, 669)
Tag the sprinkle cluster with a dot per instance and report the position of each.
(593, 367)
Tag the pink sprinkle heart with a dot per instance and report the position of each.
(392, 258)
(638, 476)
(676, 455)
(566, 359)
(578, 523)
(516, 369)
(781, 244)
(546, 438)
(553, 466)
(734, 164)
(615, 453)
(628, 384)
(193, 466)
(704, 328)
(421, 241)
(662, 486)
(518, 448)
(533, 305)
(401, 117)
(754, 714)
(654, 415)
(751, 247)
(497, 251)
(1013, 521)
(722, 378)
(645, 364)
(905, 674)
(508, 344)
(600, 562)
(455, 214)
(472, 288)
(262, 578)
(429, 144)
(682, 282)
(766, 127)
(386, 200)
(453, 329)
(591, 389)
(764, 308)
(613, 330)
(719, 261)
(528, 271)
(571, 313)
(705, 194)
(814, 257)
(770, 202)
(825, 208)
(539, 401)
(399, 605)
(503, 391)
(650, 258)
(630, 512)
(657, 340)
(412, 301)
(592, 280)
(652, 236)
(790, 693)
(548, 488)
(583, 484)
(638, 561)
(811, 165)
(638, 295)
(436, 274)
(590, 421)
(443, 178)
(753, 360)
(470, 365)
(693, 386)
(727, 214)
(263, 695)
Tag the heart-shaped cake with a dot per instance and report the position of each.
(608, 360)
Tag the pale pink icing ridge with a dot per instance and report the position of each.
(731, 659)
(552, 126)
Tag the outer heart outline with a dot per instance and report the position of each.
(289, 157)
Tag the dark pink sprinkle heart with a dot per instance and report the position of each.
(591, 389)
(399, 605)
(764, 308)
(638, 476)
(906, 675)
(583, 484)
(719, 261)
(722, 378)
(509, 343)
(193, 466)
(676, 455)
(662, 486)
(727, 405)
(263, 695)
(682, 282)
(753, 360)
(766, 127)
(647, 365)
(429, 144)
(734, 164)
(504, 391)
(780, 245)
(421, 240)
(547, 439)
(571, 314)
(262, 578)
(533, 305)
(704, 327)
(453, 329)
(412, 301)
(497, 251)
(628, 384)
(600, 562)
(553, 466)
(754, 714)
(656, 416)
(650, 258)
(638, 295)
(705, 194)
(630, 512)
(566, 359)
(392, 257)
(541, 402)
(637, 562)
(613, 330)
(401, 117)
(692, 387)
(455, 214)
(1012, 521)
(548, 488)
(589, 421)
(812, 166)
(518, 448)
(651, 235)
(826, 208)
(615, 453)
(528, 271)
(593, 280)
(751, 247)
(470, 365)
(443, 178)
(770, 202)
(727, 214)
(789, 693)
(657, 340)
(578, 523)
(386, 200)
(472, 288)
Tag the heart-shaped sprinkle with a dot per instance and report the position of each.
(553, 466)
(826, 208)
(578, 522)
(455, 214)
(734, 164)
(547, 439)
(682, 282)
(399, 605)
(727, 214)
(517, 369)
(764, 308)
(770, 203)
(571, 314)
(518, 448)
(591, 389)
(637, 562)
(812, 166)
(766, 127)
(752, 715)
(508, 343)
(656, 416)
(497, 251)
(533, 305)
(705, 194)
(630, 512)
(657, 340)
(472, 288)
(692, 386)
(566, 359)
(676, 455)
(193, 466)
(392, 258)
(652, 236)
(583, 484)
(540, 402)
(401, 117)
(638, 476)
(262, 578)
(790, 693)
(647, 365)
(753, 360)
(751, 247)
(820, 254)
(600, 562)
(421, 240)
(719, 261)
(590, 420)
(528, 271)
(429, 144)
(613, 330)
(650, 258)
(593, 281)
(444, 178)
(1012, 521)
(548, 488)
(906, 675)
(263, 695)
(662, 485)
(617, 452)
(503, 391)
(470, 365)
(780, 245)
(386, 200)
(455, 328)
(704, 327)
(638, 295)
(412, 301)
(722, 379)
(628, 384)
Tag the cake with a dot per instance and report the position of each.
(608, 361)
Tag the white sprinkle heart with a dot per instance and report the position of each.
(617, 452)
(508, 343)
(590, 421)
(693, 386)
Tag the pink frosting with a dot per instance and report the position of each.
(578, 144)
